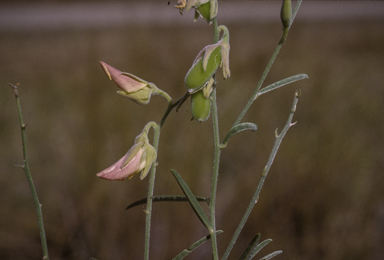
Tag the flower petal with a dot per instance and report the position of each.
(119, 171)
(124, 81)
(150, 157)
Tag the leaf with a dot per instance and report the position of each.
(267, 257)
(251, 245)
(175, 198)
(281, 83)
(193, 201)
(195, 245)
(257, 248)
(238, 128)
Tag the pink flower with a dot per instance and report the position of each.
(132, 87)
(138, 159)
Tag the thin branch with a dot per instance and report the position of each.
(279, 138)
(25, 167)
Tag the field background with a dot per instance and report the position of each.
(323, 198)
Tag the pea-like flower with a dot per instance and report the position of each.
(138, 159)
(132, 87)
(208, 61)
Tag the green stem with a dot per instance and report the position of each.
(266, 70)
(279, 138)
(152, 175)
(25, 167)
(216, 161)
(215, 174)
(151, 187)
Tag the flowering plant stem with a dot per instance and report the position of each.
(216, 159)
(267, 68)
(218, 146)
(152, 175)
(25, 167)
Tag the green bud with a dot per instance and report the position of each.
(208, 11)
(205, 65)
(208, 61)
(286, 13)
(200, 106)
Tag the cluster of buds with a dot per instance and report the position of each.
(138, 159)
(199, 79)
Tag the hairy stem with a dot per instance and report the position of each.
(25, 167)
(151, 187)
(216, 161)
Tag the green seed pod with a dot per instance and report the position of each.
(197, 76)
(200, 106)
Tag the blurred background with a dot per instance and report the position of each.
(324, 195)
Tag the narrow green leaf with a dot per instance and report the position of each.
(174, 198)
(238, 128)
(281, 83)
(192, 200)
(249, 248)
(267, 257)
(257, 249)
(195, 245)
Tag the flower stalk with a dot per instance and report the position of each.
(216, 160)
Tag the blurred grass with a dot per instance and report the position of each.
(324, 197)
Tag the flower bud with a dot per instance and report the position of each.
(208, 61)
(132, 87)
(286, 13)
(205, 65)
(138, 159)
(207, 11)
(204, 8)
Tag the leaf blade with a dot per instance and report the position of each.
(175, 198)
(238, 128)
(254, 242)
(195, 245)
(257, 248)
(281, 83)
(193, 201)
(269, 256)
